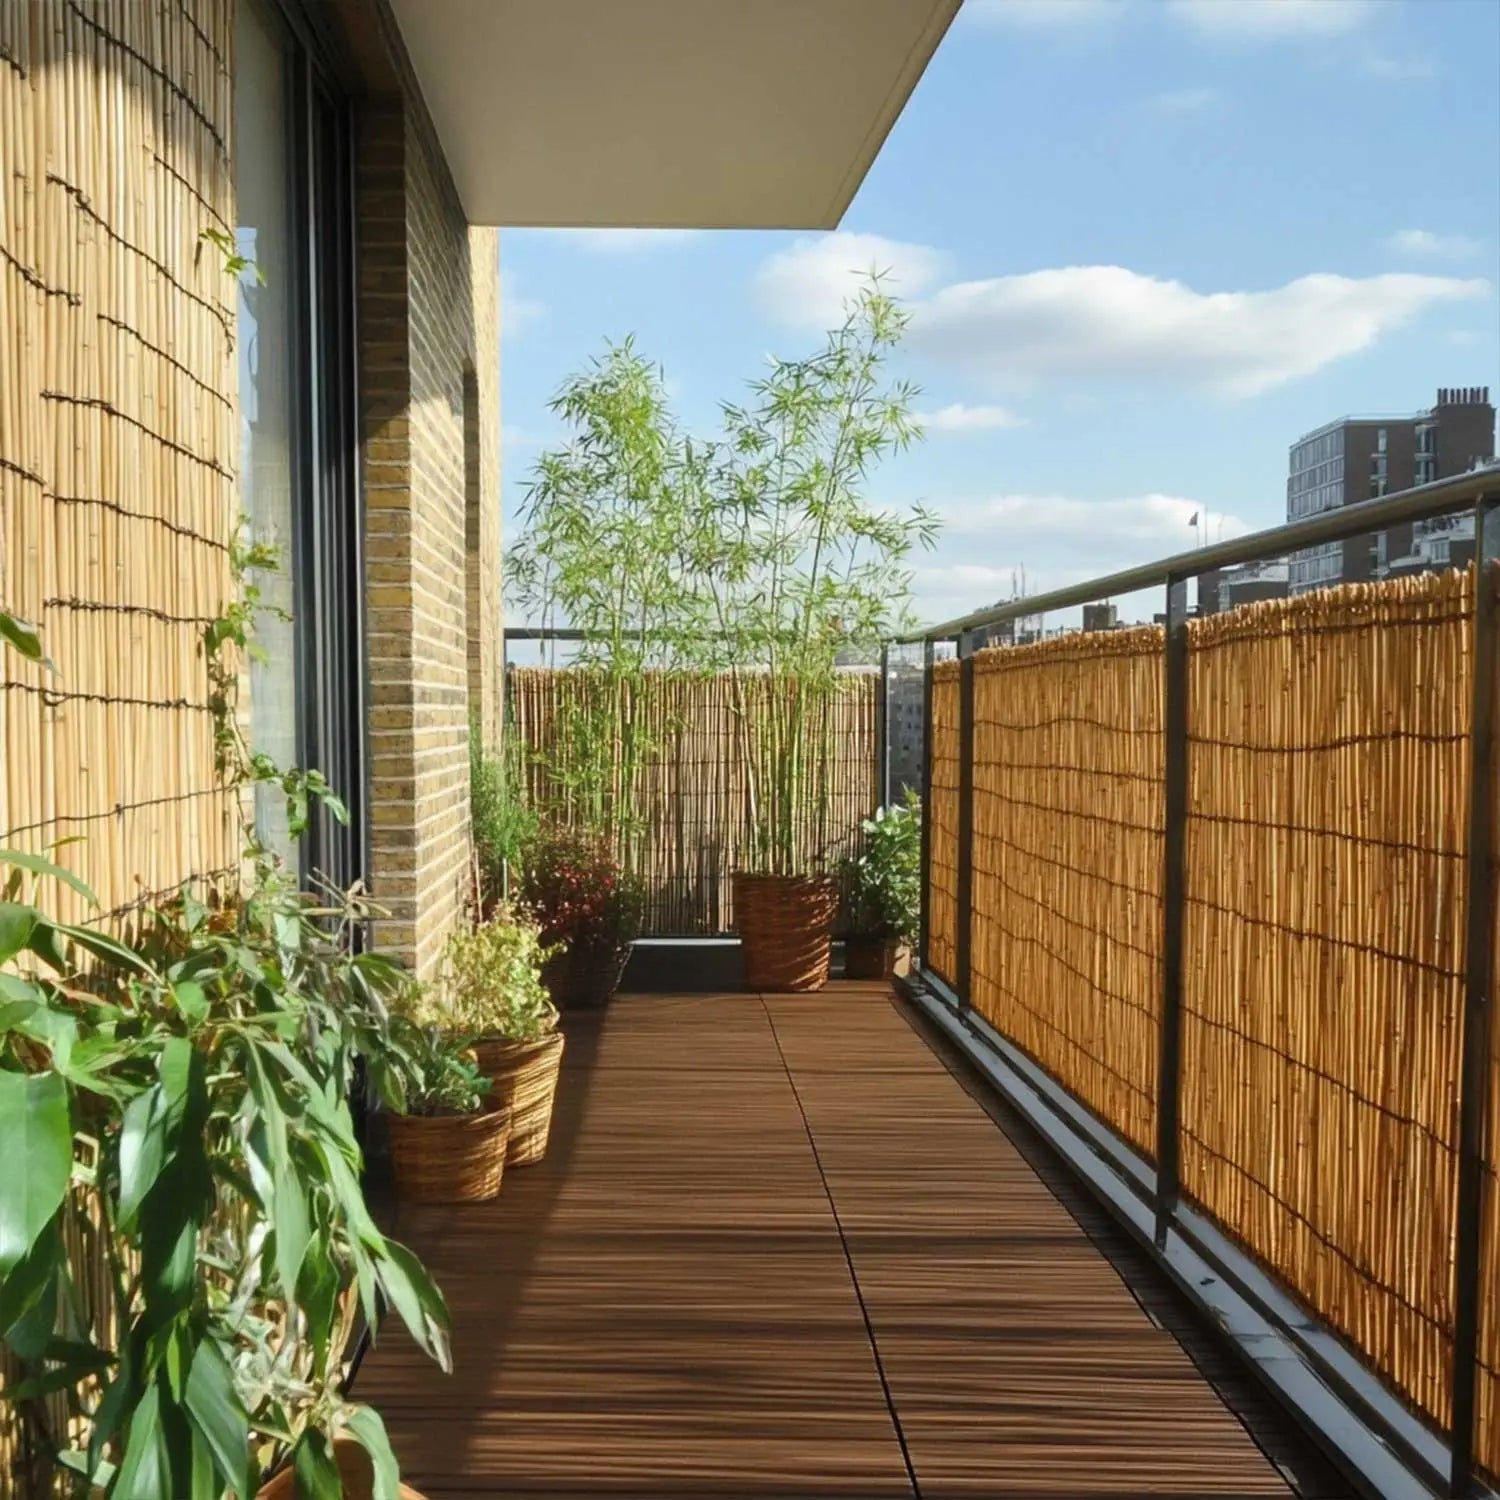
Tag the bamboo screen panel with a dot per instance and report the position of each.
(942, 875)
(1068, 809)
(1324, 953)
(118, 434)
(691, 800)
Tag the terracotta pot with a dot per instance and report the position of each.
(449, 1158)
(355, 1468)
(585, 975)
(871, 958)
(524, 1082)
(785, 924)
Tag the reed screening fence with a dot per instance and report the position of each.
(1324, 950)
(1066, 945)
(118, 443)
(118, 435)
(690, 816)
(1324, 911)
(942, 812)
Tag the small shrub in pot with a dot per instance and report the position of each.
(883, 891)
(448, 1146)
(589, 911)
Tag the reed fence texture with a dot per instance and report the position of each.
(1066, 942)
(118, 446)
(942, 813)
(690, 816)
(1326, 837)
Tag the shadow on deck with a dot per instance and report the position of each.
(780, 1249)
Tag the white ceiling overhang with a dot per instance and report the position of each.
(743, 114)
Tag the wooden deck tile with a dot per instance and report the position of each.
(680, 1302)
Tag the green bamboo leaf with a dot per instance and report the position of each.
(317, 1472)
(28, 1296)
(21, 635)
(143, 1149)
(39, 866)
(217, 1414)
(37, 1129)
(410, 1290)
(146, 1468)
(16, 924)
(367, 1428)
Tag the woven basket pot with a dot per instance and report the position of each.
(524, 1083)
(355, 1469)
(785, 924)
(870, 958)
(449, 1158)
(585, 975)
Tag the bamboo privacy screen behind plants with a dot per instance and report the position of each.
(1324, 953)
(942, 912)
(690, 805)
(118, 435)
(1067, 862)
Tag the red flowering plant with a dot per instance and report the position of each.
(576, 891)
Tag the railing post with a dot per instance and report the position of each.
(883, 731)
(924, 940)
(1479, 956)
(1173, 892)
(963, 917)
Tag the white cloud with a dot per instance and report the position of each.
(1045, 15)
(808, 284)
(1258, 20)
(1134, 529)
(517, 440)
(1107, 322)
(1189, 101)
(1423, 242)
(959, 418)
(627, 241)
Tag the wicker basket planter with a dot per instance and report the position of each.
(524, 1078)
(585, 975)
(449, 1158)
(786, 929)
(872, 958)
(355, 1469)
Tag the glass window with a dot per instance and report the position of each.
(265, 342)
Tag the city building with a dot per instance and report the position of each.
(1226, 588)
(1362, 458)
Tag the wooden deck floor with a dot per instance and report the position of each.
(778, 1250)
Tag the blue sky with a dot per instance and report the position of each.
(1146, 244)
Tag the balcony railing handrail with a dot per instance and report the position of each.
(1442, 497)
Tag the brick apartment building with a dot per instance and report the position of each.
(1362, 458)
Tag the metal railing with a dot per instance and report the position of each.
(1478, 491)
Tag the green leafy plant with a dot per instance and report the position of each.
(442, 1075)
(491, 984)
(500, 820)
(182, 1099)
(883, 883)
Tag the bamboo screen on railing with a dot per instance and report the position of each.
(1067, 862)
(942, 910)
(118, 436)
(1325, 905)
(1324, 953)
(691, 802)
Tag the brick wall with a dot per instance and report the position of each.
(429, 388)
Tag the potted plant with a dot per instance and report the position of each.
(492, 993)
(499, 818)
(883, 890)
(589, 911)
(446, 1145)
(798, 572)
